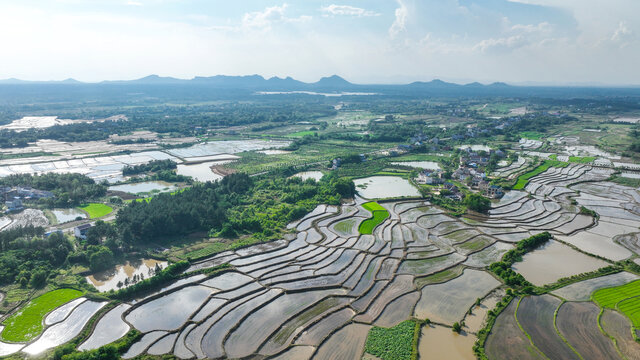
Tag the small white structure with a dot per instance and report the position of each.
(81, 231)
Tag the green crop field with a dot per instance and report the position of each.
(581, 159)
(380, 214)
(394, 343)
(302, 133)
(27, 323)
(523, 179)
(625, 298)
(96, 210)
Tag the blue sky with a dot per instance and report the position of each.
(374, 41)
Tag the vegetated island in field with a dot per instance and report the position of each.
(379, 214)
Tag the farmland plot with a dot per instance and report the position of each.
(578, 323)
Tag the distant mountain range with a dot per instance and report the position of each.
(154, 85)
(250, 81)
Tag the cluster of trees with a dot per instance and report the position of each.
(27, 257)
(151, 166)
(69, 189)
(477, 202)
(235, 205)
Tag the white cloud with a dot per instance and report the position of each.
(400, 22)
(269, 16)
(623, 34)
(501, 44)
(346, 10)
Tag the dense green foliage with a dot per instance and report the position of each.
(477, 202)
(151, 166)
(161, 278)
(235, 205)
(379, 214)
(394, 343)
(25, 252)
(503, 268)
(27, 323)
(69, 189)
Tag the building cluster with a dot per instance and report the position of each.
(13, 197)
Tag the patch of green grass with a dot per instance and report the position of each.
(609, 297)
(96, 210)
(394, 343)
(26, 324)
(625, 298)
(581, 159)
(531, 135)
(380, 214)
(626, 181)
(523, 179)
(302, 133)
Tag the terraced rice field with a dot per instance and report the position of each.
(28, 322)
(301, 296)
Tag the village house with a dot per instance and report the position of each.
(81, 231)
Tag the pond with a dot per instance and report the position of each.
(65, 215)
(553, 261)
(315, 175)
(201, 172)
(144, 187)
(377, 187)
(429, 165)
(109, 279)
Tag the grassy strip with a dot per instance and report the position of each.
(96, 210)
(27, 323)
(380, 214)
(394, 343)
(523, 179)
(607, 270)
(615, 341)
(581, 159)
(492, 315)
(610, 297)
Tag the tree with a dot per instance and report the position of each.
(477, 202)
(457, 327)
(101, 259)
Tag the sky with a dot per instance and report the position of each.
(562, 42)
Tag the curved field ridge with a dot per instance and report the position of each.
(379, 213)
(626, 298)
(507, 341)
(578, 323)
(617, 326)
(27, 323)
(535, 315)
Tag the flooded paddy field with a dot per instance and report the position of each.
(301, 296)
(66, 215)
(553, 261)
(109, 279)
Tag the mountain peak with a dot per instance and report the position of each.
(333, 80)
